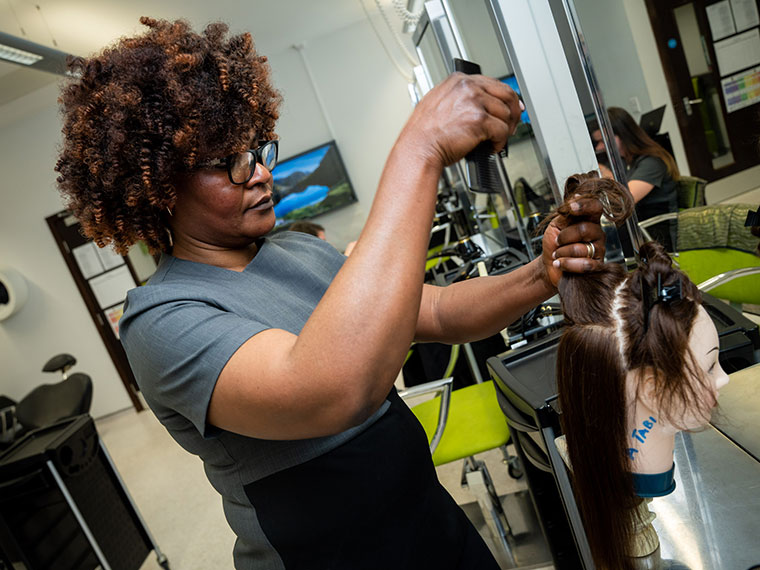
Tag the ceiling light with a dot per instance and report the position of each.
(18, 55)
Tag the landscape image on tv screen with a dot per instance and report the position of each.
(310, 184)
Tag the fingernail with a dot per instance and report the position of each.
(575, 206)
(554, 255)
(555, 263)
(522, 106)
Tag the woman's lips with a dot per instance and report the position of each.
(263, 204)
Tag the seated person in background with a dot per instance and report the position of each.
(307, 227)
(651, 172)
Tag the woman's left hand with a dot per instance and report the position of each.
(575, 243)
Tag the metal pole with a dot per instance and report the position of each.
(78, 516)
(159, 555)
(605, 127)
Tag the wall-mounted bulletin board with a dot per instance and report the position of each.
(103, 278)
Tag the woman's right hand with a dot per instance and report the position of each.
(461, 112)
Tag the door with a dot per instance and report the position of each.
(103, 278)
(710, 52)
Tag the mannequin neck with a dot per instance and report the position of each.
(650, 441)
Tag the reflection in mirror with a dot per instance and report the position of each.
(434, 40)
(706, 102)
(480, 43)
(525, 170)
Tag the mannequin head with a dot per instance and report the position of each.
(637, 363)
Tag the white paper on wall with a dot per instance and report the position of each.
(721, 20)
(111, 287)
(745, 14)
(87, 259)
(738, 52)
(108, 257)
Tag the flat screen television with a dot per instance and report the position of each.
(311, 183)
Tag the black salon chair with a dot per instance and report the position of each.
(48, 403)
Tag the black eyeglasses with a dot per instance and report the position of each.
(241, 165)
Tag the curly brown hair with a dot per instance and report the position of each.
(149, 109)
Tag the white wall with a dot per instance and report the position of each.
(627, 64)
(366, 101)
(613, 54)
(55, 318)
(654, 76)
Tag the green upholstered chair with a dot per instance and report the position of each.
(691, 192)
(460, 424)
(717, 251)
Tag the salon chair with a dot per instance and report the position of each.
(48, 403)
(460, 424)
(717, 251)
(691, 192)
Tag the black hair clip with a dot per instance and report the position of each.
(661, 294)
(753, 218)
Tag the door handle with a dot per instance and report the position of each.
(687, 103)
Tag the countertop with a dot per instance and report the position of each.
(712, 519)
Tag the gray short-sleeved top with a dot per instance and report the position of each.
(662, 199)
(179, 331)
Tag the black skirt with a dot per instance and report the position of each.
(372, 503)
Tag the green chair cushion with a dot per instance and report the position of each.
(475, 423)
(430, 263)
(702, 264)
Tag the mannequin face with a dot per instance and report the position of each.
(704, 346)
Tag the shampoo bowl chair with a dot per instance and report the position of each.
(48, 403)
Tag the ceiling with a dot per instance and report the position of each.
(83, 27)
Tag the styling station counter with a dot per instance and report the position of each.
(712, 519)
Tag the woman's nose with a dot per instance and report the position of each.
(261, 175)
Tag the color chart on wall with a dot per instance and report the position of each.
(741, 90)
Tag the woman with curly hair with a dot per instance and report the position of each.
(273, 358)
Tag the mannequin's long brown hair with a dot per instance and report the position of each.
(591, 379)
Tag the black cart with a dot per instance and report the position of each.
(63, 505)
